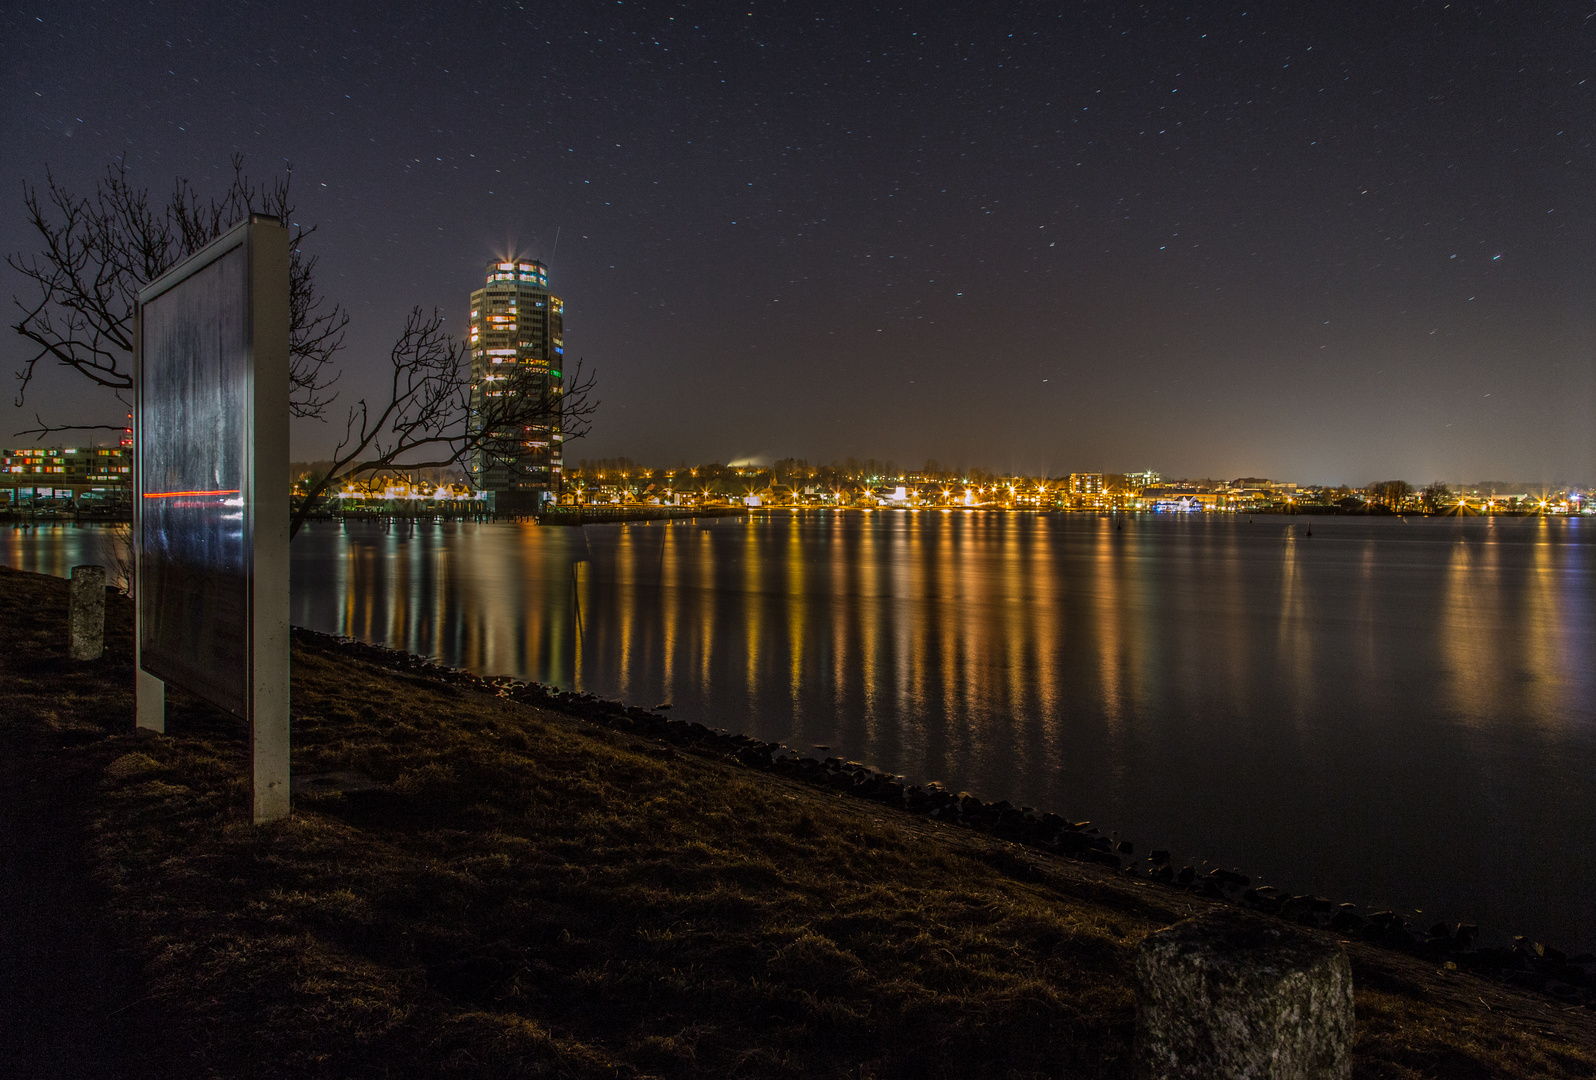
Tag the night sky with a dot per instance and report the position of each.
(1324, 242)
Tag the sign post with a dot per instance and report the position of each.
(210, 505)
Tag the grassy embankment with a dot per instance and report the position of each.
(525, 893)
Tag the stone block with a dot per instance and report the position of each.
(1231, 995)
(87, 613)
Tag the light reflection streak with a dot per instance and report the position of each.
(973, 600)
(1050, 604)
(1468, 598)
(1295, 626)
(869, 612)
(753, 589)
(670, 558)
(1544, 657)
(1108, 619)
(906, 626)
(797, 612)
(840, 606)
(950, 621)
(1010, 657)
(1369, 660)
(626, 618)
(704, 643)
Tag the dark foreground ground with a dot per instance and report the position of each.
(522, 893)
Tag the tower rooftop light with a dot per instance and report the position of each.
(526, 272)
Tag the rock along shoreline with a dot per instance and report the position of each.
(1526, 964)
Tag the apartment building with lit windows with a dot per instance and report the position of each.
(31, 475)
(518, 326)
(1085, 491)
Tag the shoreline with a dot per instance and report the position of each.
(1527, 964)
(625, 513)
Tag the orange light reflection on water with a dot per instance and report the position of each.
(1384, 693)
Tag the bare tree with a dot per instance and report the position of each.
(428, 420)
(116, 553)
(97, 251)
(1392, 493)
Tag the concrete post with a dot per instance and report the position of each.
(1232, 995)
(87, 618)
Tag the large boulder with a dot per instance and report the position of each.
(1233, 995)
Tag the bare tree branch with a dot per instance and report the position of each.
(96, 251)
(44, 429)
(428, 422)
(50, 429)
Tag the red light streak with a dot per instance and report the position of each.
(184, 494)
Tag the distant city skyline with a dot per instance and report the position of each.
(1330, 242)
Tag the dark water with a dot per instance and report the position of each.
(1394, 713)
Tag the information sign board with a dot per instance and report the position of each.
(211, 491)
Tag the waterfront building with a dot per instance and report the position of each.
(1179, 498)
(517, 347)
(65, 475)
(1085, 491)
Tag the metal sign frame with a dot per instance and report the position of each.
(181, 612)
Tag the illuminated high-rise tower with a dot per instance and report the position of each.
(518, 347)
